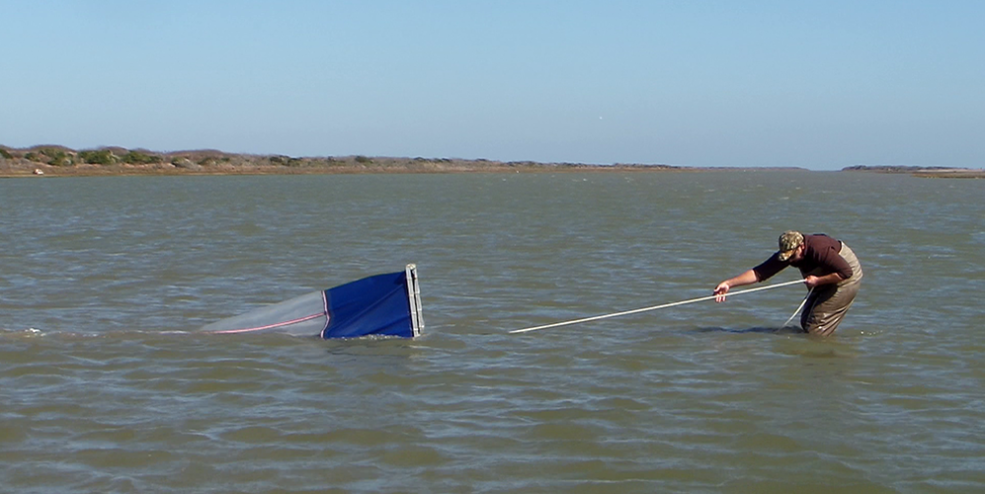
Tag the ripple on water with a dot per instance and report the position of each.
(118, 393)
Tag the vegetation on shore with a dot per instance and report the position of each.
(60, 160)
(922, 171)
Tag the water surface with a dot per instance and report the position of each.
(105, 385)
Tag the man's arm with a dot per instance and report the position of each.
(812, 281)
(747, 278)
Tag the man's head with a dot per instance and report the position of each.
(789, 243)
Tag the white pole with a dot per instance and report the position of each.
(655, 307)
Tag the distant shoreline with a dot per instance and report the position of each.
(60, 161)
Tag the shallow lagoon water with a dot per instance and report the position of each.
(105, 385)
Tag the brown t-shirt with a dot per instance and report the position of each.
(821, 253)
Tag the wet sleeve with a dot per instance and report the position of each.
(769, 267)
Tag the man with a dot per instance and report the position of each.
(830, 269)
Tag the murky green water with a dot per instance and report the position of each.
(106, 387)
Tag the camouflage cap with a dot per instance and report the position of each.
(789, 242)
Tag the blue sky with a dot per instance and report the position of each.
(814, 84)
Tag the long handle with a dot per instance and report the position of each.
(655, 307)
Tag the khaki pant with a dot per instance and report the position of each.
(827, 305)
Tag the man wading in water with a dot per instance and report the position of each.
(829, 268)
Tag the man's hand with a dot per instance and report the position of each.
(812, 281)
(720, 291)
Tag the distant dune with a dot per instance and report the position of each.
(55, 160)
(62, 161)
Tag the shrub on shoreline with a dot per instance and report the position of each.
(97, 157)
(140, 158)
